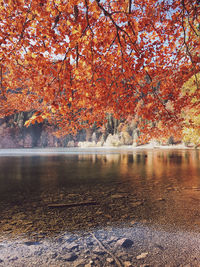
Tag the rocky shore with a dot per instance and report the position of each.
(137, 245)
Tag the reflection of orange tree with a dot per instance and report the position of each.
(162, 166)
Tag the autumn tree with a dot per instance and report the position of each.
(75, 61)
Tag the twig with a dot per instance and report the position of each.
(87, 18)
(69, 205)
(107, 251)
(118, 28)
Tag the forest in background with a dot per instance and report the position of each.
(13, 134)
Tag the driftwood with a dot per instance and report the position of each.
(69, 205)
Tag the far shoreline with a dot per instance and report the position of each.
(90, 149)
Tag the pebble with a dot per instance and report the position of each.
(128, 264)
(133, 222)
(99, 212)
(89, 264)
(117, 196)
(125, 243)
(160, 199)
(142, 255)
(136, 204)
(110, 260)
(159, 246)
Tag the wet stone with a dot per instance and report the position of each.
(71, 246)
(31, 243)
(125, 243)
(69, 257)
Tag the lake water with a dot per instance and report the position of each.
(75, 208)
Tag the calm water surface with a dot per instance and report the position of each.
(146, 195)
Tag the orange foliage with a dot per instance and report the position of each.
(74, 61)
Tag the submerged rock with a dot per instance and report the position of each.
(69, 257)
(125, 243)
(31, 243)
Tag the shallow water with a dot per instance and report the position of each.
(150, 197)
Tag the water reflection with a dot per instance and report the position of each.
(182, 167)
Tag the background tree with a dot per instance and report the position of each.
(191, 129)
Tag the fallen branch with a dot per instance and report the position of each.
(107, 251)
(69, 205)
